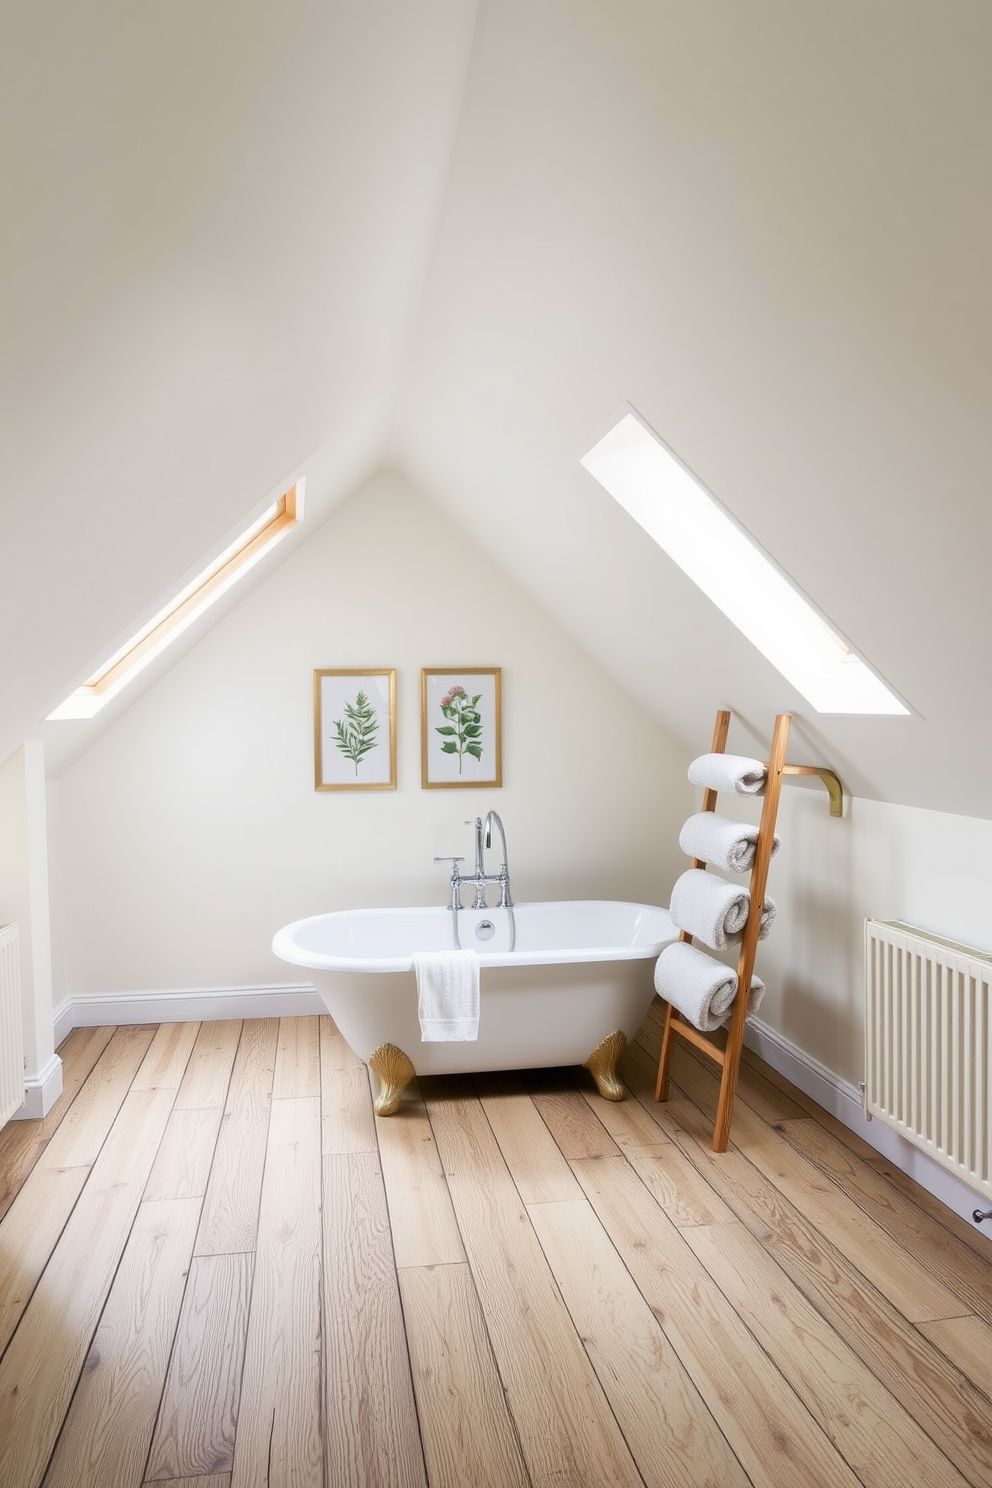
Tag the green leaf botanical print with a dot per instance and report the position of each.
(462, 734)
(355, 734)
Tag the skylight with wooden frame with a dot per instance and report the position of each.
(151, 640)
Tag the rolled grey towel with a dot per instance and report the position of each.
(699, 987)
(729, 772)
(721, 841)
(709, 907)
(713, 910)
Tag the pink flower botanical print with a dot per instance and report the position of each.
(461, 733)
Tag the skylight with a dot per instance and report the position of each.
(697, 533)
(151, 640)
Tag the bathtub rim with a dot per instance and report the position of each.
(285, 947)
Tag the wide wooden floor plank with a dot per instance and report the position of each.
(567, 1432)
(677, 1185)
(671, 1434)
(936, 1394)
(208, 1073)
(198, 1417)
(164, 1066)
(82, 1131)
(576, 1130)
(185, 1157)
(896, 1272)
(29, 1233)
(468, 1435)
(919, 1197)
(977, 1239)
(880, 1440)
(540, 1171)
(921, 1200)
(230, 1207)
(109, 1426)
(297, 1059)
(79, 1052)
(967, 1342)
(31, 1228)
(23, 1142)
(345, 1096)
(371, 1435)
(278, 1441)
(967, 1275)
(39, 1371)
(626, 1121)
(807, 1106)
(926, 1384)
(768, 1428)
(422, 1220)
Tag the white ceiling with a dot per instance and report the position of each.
(242, 241)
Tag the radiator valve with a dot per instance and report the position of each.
(979, 1214)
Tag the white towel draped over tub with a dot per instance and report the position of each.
(447, 995)
(729, 772)
(701, 988)
(721, 841)
(709, 908)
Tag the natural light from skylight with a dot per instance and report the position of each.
(151, 640)
(670, 504)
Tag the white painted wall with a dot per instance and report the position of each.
(930, 868)
(24, 901)
(191, 830)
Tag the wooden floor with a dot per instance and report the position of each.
(218, 1269)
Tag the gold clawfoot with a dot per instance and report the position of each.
(602, 1064)
(395, 1070)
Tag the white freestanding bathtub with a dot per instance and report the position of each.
(581, 972)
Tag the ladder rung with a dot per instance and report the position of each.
(686, 1031)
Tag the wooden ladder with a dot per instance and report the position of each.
(729, 1058)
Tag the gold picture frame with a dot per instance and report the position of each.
(461, 727)
(354, 728)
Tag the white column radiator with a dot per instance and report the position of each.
(11, 1028)
(928, 1045)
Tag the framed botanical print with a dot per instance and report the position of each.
(461, 727)
(354, 729)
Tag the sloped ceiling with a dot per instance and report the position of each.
(216, 223)
(456, 239)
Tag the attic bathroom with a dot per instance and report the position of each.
(415, 261)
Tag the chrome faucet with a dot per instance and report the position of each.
(480, 878)
(503, 877)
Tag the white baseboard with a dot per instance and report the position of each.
(41, 1091)
(204, 1004)
(843, 1100)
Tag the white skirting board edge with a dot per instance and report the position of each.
(207, 1005)
(301, 999)
(844, 1101)
(41, 1091)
